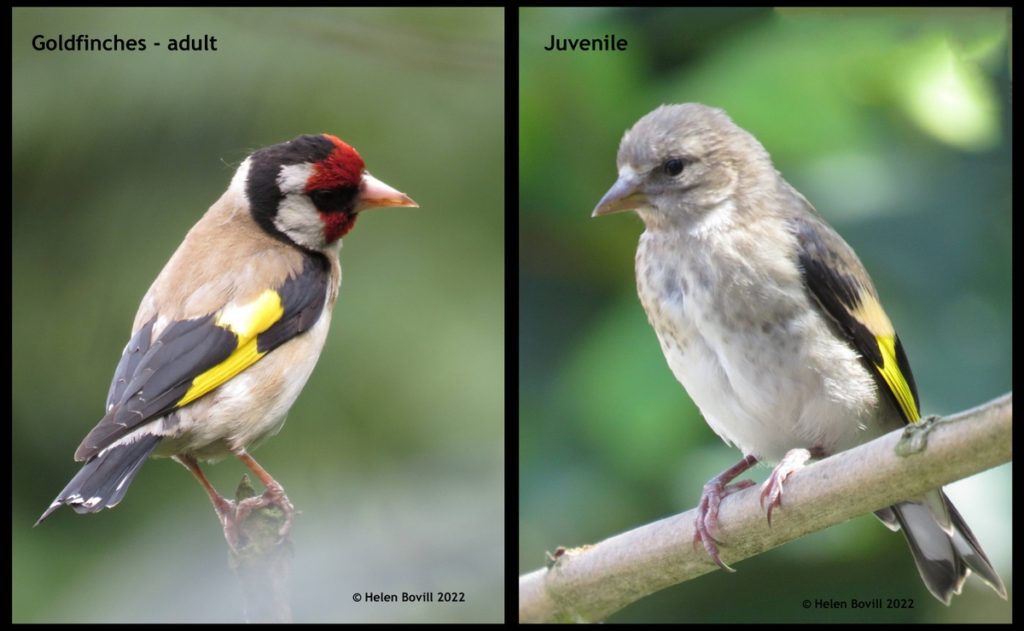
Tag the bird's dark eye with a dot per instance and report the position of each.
(333, 199)
(673, 167)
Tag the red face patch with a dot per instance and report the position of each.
(337, 225)
(343, 167)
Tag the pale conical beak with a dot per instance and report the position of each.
(376, 194)
(623, 195)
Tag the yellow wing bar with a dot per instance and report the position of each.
(895, 379)
(246, 322)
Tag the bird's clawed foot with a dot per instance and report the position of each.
(237, 516)
(771, 490)
(273, 496)
(711, 498)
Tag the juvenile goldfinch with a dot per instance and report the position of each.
(229, 332)
(771, 323)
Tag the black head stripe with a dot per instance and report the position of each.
(303, 297)
(265, 166)
(305, 148)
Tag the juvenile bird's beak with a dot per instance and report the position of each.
(376, 194)
(623, 195)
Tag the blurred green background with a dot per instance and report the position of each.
(896, 125)
(394, 452)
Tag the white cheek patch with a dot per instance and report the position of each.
(293, 178)
(298, 218)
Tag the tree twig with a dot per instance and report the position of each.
(592, 582)
(262, 561)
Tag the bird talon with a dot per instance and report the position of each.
(772, 488)
(273, 496)
(711, 498)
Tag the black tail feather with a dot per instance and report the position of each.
(104, 479)
(944, 558)
(972, 554)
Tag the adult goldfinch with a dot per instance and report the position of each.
(231, 329)
(771, 323)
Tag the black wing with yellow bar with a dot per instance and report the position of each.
(825, 262)
(191, 358)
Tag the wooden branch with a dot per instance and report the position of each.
(590, 583)
(262, 560)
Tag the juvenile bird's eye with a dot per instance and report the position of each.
(673, 167)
